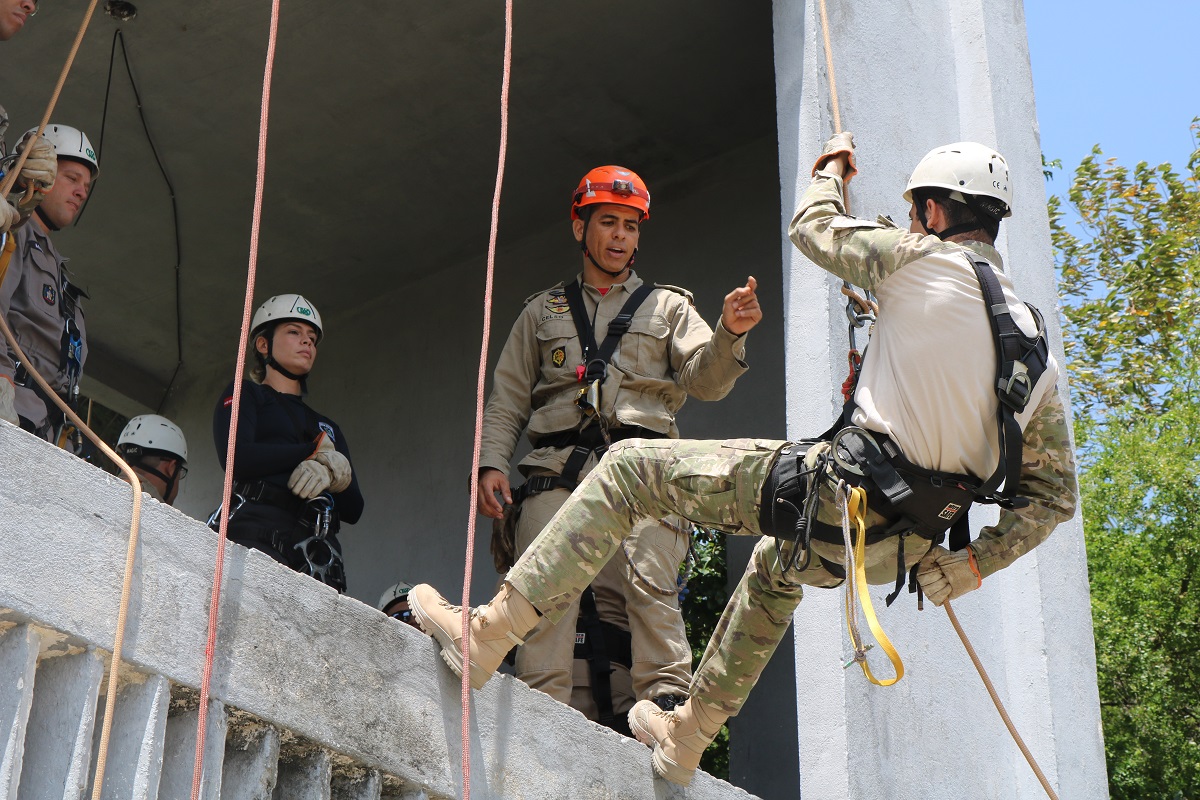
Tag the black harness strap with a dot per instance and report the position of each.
(1020, 362)
(599, 666)
(595, 358)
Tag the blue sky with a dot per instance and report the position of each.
(1124, 75)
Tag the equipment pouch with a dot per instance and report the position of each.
(589, 398)
(504, 538)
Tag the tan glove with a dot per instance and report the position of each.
(309, 479)
(838, 145)
(338, 465)
(8, 395)
(945, 575)
(9, 217)
(41, 168)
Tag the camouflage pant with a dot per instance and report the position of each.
(715, 484)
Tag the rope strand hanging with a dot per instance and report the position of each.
(869, 307)
(239, 373)
(480, 384)
(135, 484)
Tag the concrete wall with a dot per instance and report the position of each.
(399, 374)
(907, 82)
(290, 651)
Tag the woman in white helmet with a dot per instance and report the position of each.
(293, 480)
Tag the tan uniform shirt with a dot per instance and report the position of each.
(30, 299)
(928, 380)
(668, 353)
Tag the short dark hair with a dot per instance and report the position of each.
(958, 213)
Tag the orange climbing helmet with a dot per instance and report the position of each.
(611, 184)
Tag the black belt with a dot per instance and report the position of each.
(585, 442)
(263, 492)
(592, 436)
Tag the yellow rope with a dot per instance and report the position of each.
(854, 509)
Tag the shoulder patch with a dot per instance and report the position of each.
(677, 290)
(556, 290)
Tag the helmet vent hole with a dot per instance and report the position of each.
(962, 183)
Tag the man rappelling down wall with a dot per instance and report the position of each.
(956, 403)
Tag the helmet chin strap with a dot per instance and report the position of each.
(953, 230)
(269, 361)
(45, 219)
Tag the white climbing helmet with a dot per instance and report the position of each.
(394, 594)
(70, 143)
(285, 307)
(150, 433)
(966, 169)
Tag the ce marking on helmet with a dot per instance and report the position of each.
(996, 184)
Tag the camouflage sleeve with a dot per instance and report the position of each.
(1047, 479)
(856, 250)
(510, 404)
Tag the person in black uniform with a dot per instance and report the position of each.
(293, 480)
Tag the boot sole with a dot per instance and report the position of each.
(450, 654)
(668, 769)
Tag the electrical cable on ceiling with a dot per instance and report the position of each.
(119, 36)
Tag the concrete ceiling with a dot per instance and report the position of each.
(383, 141)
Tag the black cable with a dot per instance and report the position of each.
(120, 35)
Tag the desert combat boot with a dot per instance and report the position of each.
(679, 737)
(495, 628)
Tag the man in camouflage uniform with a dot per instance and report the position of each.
(667, 353)
(929, 385)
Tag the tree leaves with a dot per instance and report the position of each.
(1127, 247)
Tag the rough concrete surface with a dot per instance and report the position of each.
(179, 754)
(18, 661)
(290, 650)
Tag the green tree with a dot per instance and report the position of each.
(1129, 274)
(1127, 245)
(702, 607)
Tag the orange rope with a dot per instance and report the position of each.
(239, 372)
(480, 383)
(11, 178)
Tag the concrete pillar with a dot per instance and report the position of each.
(136, 740)
(58, 738)
(908, 82)
(179, 761)
(18, 662)
(251, 768)
(307, 777)
(367, 787)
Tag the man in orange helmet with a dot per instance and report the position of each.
(602, 359)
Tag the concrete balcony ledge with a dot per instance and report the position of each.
(371, 695)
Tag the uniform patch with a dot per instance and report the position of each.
(556, 301)
(228, 401)
(328, 429)
(49, 294)
(949, 511)
(559, 356)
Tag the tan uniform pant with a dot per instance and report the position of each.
(662, 658)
